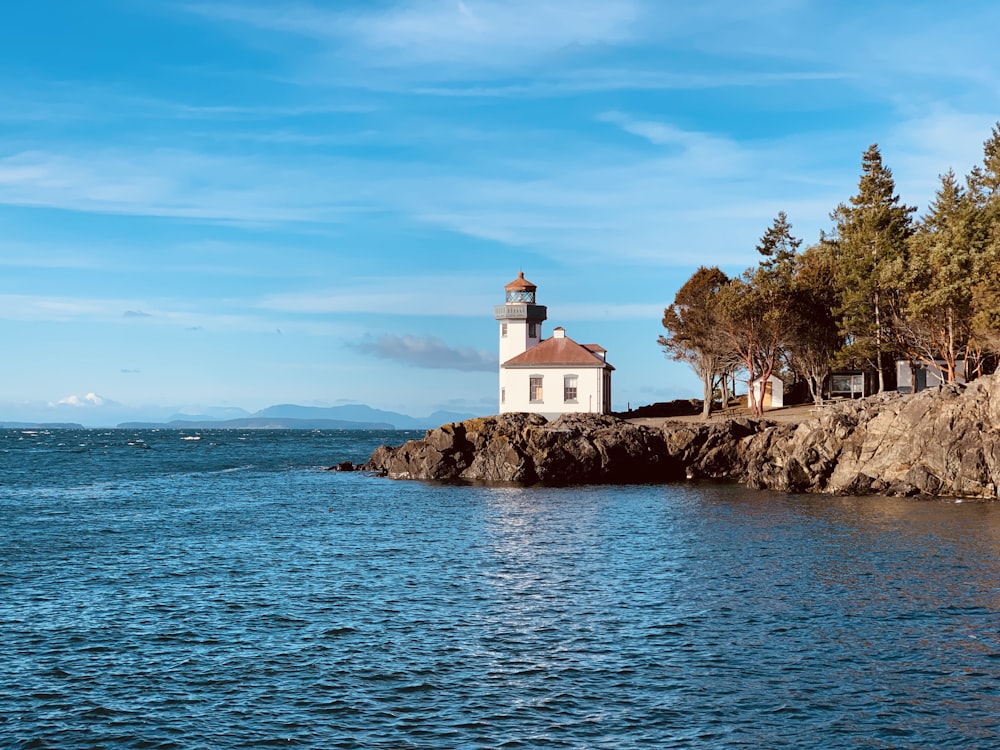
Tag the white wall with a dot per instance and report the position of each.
(777, 392)
(589, 387)
(517, 341)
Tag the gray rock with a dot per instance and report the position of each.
(938, 442)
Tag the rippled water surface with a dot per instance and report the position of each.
(224, 592)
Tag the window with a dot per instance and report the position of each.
(535, 388)
(569, 389)
(503, 395)
(503, 330)
(847, 385)
(515, 297)
(532, 330)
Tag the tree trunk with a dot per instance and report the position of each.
(707, 381)
(816, 388)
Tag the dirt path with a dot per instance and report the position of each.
(793, 414)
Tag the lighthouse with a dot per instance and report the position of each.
(520, 318)
(546, 376)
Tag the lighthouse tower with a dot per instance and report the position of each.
(520, 318)
(551, 376)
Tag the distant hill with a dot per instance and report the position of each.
(294, 417)
(41, 426)
(258, 423)
(363, 413)
(211, 414)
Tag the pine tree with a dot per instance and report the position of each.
(757, 309)
(871, 235)
(778, 246)
(984, 194)
(936, 314)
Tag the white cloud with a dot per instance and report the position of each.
(89, 400)
(390, 295)
(713, 153)
(175, 183)
(490, 33)
(501, 33)
(647, 201)
(26, 307)
(921, 148)
(197, 315)
(574, 81)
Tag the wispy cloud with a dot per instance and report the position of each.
(390, 295)
(220, 315)
(921, 148)
(26, 307)
(428, 352)
(713, 152)
(482, 33)
(173, 183)
(597, 80)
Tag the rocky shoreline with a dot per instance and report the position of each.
(941, 442)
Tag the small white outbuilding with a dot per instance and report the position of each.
(773, 396)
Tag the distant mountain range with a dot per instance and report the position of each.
(293, 417)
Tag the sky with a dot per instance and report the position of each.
(208, 207)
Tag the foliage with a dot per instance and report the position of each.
(693, 334)
(935, 321)
(815, 335)
(871, 235)
(879, 286)
(756, 308)
(984, 196)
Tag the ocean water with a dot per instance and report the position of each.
(160, 591)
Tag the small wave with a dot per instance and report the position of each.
(191, 437)
(345, 630)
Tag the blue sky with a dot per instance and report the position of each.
(239, 204)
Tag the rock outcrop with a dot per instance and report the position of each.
(939, 442)
(574, 449)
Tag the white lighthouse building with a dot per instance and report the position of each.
(547, 376)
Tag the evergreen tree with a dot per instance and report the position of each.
(936, 314)
(871, 235)
(778, 246)
(984, 194)
(757, 309)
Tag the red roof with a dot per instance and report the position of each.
(520, 284)
(558, 351)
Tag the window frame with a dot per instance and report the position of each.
(535, 389)
(567, 387)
